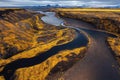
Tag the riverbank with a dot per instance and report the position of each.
(99, 18)
(24, 29)
(55, 55)
(102, 19)
(98, 59)
(61, 61)
(114, 44)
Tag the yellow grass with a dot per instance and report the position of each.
(40, 71)
(26, 39)
(2, 9)
(89, 9)
(2, 78)
(40, 48)
(115, 45)
(18, 35)
(104, 19)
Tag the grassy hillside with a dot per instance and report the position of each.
(105, 19)
(39, 72)
(115, 46)
(88, 10)
(21, 30)
(14, 35)
(24, 35)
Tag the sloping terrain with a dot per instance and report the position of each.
(115, 46)
(103, 19)
(22, 30)
(17, 31)
(33, 50)
(23, 36)
(99, 62)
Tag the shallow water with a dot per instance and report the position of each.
(50, 18)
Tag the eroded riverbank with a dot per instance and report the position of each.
(21, 64)
(98, 63)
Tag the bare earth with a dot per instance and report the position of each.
(98, 63)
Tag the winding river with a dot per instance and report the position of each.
(98, 63)
(79, 41)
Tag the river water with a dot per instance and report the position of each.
(50, 18)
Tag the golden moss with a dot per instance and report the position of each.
(104, 19)
(29, 37)
(26, 32)
(2, 78)
(88, 9)
(40, 71)
(115, 45)
(43, 47)
(26, 37)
